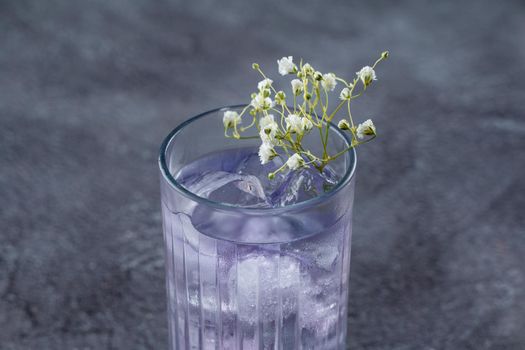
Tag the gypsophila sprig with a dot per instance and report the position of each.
(281, 125)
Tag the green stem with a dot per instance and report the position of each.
(247, 137)
(349, 148)
(332, 115)
(329, 119)
(322, 139)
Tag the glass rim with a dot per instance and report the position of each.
(166, 174)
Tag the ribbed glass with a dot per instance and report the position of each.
(258, 290)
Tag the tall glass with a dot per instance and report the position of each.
(254, 278)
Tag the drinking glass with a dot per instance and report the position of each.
(251, 277)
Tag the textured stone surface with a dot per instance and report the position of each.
(89, 89)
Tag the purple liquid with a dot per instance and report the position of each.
(227, 292)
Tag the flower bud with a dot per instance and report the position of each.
(343, 124)
(385, 55)
(255, 66)
(318, 76)
(280, 97)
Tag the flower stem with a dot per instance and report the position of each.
(337, 155)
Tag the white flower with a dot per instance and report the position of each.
(259, 102)
(343, 124)
(268, 128)
(297, 86)
(295, 162)
(293, 123)
(308, 69)
(345, 94)
(264, 84)
(269, 136)
(366, 128)
(230, 119)
(329, 81)
(266, 153)
(367, 75)
(306, 124)
(266, 121)
(286, 65)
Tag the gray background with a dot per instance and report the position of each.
(88, 89)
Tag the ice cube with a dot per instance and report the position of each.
(260, 279)
(244, 191)
(301, 185)
(318, 315)
(323, 251)
(208, 182)
(251, 165)
(271, 285)
(221, 186)
(248, 184)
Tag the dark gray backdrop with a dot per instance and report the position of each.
(89, 88)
